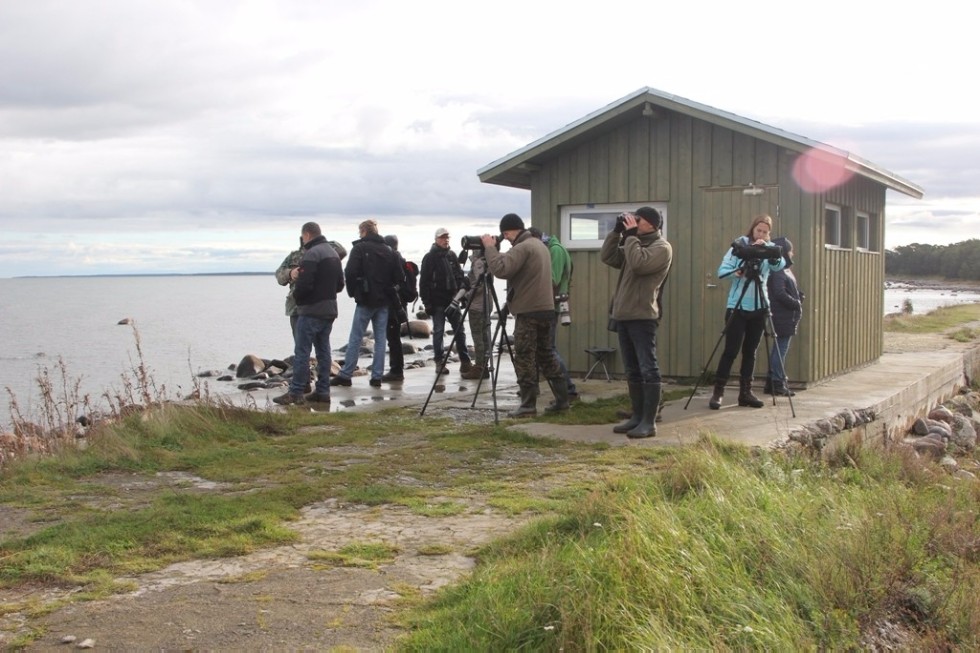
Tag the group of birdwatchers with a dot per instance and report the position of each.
(537, 269)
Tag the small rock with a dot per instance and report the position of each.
(86, 643)
(68, 639)
(125, 320)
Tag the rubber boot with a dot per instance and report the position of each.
(715, 402)
(647, 427)
(560, 389)
(529, 401)
(745, 396)
(636, 398)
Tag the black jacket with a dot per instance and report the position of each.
(320, 279)
(440, 278)
(785, 302)
(373, 273)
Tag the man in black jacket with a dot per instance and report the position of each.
(441, 277)
(373, 277)
(318, 279)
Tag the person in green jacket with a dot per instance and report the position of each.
(561, 279)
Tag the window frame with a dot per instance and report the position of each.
(610, 210)
(862, 236)
(836, 208)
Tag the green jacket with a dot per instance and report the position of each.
(644, 260)
(561, 266)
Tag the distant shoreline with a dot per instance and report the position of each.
(146, 274)
(932, 283)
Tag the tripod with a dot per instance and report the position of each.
(750, 272)
(489, 298)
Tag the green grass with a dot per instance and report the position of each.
(937, 321)
(707, 547)
(722, 550)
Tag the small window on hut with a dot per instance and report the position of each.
(863, 231)
(584, 226)
(832, 225)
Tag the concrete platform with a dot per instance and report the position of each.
(892, 392)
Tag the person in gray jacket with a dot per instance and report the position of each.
(318, 278)
(642, 255)
(527, 269)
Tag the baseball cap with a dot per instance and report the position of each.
(441, 231)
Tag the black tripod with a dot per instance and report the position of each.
(750, 272)
(465, 297)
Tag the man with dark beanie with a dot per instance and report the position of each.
(527, 269)
(637, 249)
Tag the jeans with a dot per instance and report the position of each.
(439, 317)
(311, 333)
(744, 330)
(377, 316)
(638, 342)
(572, 390)
(780, 348)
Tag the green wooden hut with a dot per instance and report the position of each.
(710, 172)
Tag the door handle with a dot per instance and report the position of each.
(711, 285)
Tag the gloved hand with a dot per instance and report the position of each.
(630, 232)
(620, 225)
(774, 261)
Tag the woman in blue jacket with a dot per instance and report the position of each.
(745, 317)
(786, 306)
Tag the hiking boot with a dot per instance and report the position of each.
(375, 383)
(745, 396)
(393, 376)
(441, 369)
(289, 399)
(340, 380)
(719, 392)
(317, 398)
(465, 366)
(780, 389)
(476, 372)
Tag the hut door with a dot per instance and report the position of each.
(727, 215)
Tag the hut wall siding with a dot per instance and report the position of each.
(673, 159)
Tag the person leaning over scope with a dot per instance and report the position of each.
(745, 315)
(527, 268)
(786, 306)
(643, 256)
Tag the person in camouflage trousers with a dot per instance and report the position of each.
(527, 269)
(478, 313)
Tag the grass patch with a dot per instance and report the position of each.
(365, 555)
(724, 550)
(937, 321)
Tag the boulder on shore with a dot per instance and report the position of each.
(250, 365)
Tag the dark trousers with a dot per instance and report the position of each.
(744, 331)
(638, 342)
(396, 357)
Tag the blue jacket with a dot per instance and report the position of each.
(750, 302)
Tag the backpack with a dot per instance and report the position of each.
(410, 291)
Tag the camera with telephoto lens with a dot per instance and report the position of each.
(748, 252)
(476, 242)
(460, 299)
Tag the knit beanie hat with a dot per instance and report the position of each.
(511, 221)
(651, 215)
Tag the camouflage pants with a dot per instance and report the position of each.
(533, 351)
(479, 329)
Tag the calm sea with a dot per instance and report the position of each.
(186, 325)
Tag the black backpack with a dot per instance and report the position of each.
(410, 291)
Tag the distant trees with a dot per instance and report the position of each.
(956, 261)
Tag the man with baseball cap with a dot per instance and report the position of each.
(441, 276)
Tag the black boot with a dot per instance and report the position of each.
(560, 389)
(715, 402)
(767, 388)
(529, 401)
(745, 396)
(651, 404)
(636, 399)
(780, 389)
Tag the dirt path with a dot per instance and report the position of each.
(279, 598)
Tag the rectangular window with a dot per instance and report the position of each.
(832, 225)
(874, 232)
(862, 236)
(584, 226)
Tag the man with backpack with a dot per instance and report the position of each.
(398, 313)
(372, 276)
(561, 280)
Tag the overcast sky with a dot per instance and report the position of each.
(178, 136)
